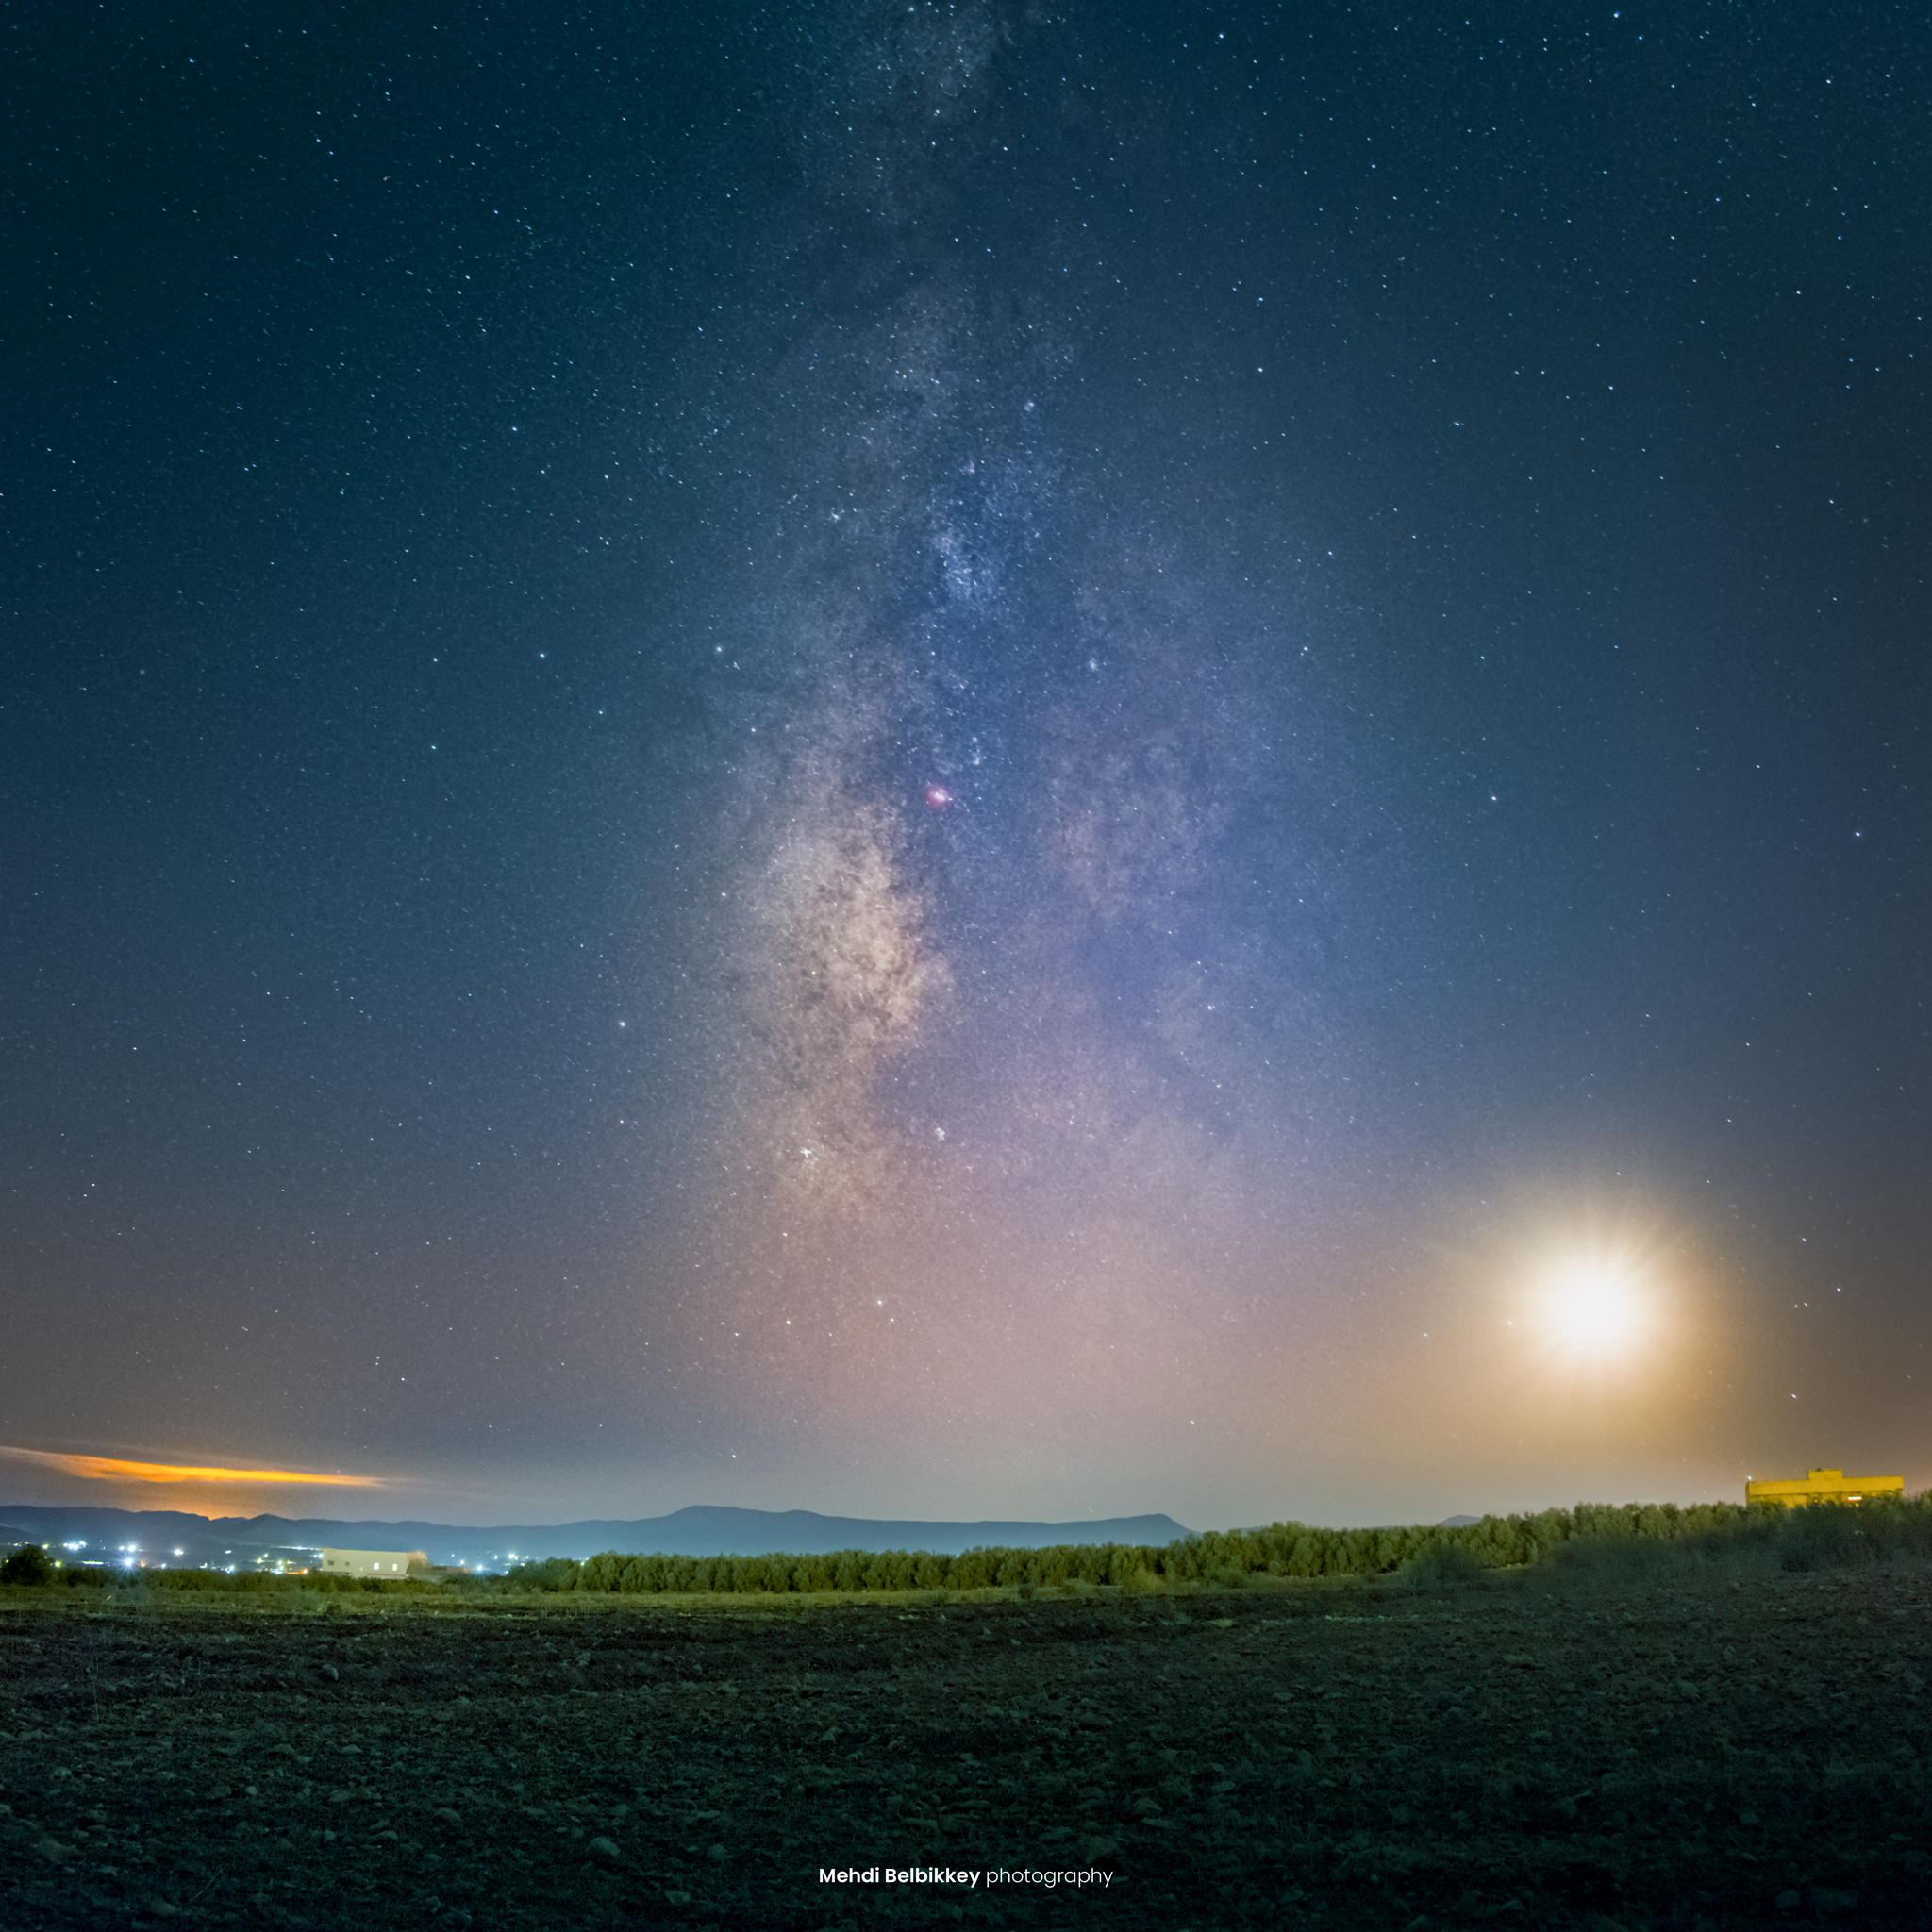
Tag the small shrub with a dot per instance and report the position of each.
(642, 1576)
(1089, 1564)
(1826, 1536)
(1609, 1559)
(1440, 1566)
(975, 1569)
(599, 1573)
(896, 1569)
(474, 1582)
(181, 1579)
(29, 1566)
(553, 1574)
(1054, 1566)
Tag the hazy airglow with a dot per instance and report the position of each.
(117, 1469)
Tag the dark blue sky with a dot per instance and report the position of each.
(1402, 538)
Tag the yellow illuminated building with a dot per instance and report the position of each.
(1825, 1485)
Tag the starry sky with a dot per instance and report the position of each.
(983, 760)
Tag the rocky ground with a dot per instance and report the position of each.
(1709, 1753)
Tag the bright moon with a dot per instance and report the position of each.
(1595, 1308)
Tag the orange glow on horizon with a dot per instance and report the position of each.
(117, 1469)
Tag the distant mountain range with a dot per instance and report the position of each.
(171, 1536)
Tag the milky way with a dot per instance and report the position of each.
(1018, 1094)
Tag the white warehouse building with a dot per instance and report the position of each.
(374, 1562)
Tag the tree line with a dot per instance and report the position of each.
(1589, 1536)
(1222, 1556)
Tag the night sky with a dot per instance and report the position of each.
(964, 760)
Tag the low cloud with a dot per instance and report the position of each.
(117, 1469)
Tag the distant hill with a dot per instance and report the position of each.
(702, 1530)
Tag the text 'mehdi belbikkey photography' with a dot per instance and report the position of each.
(965, 962)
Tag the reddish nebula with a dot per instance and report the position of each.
(937, 797)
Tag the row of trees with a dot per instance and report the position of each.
(1283, 1549)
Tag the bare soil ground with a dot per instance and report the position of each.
(1701, 1754)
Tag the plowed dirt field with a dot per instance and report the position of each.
(1711, 1754)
